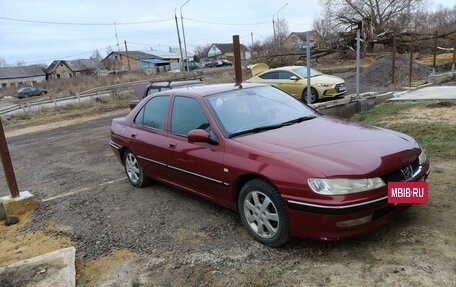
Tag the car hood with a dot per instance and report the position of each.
(336, 148)
(327, 79)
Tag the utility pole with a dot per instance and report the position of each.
(358, 52)
(117, 39)
(393, 71)
(179, 39)
(251, 36)
(183, 34)
(128, 58)
(273, 26)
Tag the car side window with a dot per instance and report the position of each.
(270, 76)
(153, 113)
(285, 75)
(187, 115)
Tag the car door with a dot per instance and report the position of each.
(148, 136)
(293, 87)
(281, 79)
(195, 166)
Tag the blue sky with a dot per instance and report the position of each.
(205, 22)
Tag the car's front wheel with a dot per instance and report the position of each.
(262, 212)
(313, 96)
(134, 170)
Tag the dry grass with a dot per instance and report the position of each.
(443, 58)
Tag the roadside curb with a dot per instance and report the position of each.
(55, 268)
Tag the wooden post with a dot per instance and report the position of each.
(411, 60)
(237, 59)
(7, 165)
(435, 52)
(128, 58)
(393, 71)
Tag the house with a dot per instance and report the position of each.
(62, 69)
(173, 56)
(226, 51)
(19, 76)
(135, 60)
(297, 40)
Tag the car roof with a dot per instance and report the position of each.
(286, 68)
(202, 91)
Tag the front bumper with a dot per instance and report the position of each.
(335, 222)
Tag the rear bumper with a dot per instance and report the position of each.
(116, 148)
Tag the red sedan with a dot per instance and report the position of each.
(288, 170)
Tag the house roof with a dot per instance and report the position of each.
(138, 55)
(228, 47)
(156, 61)
(21, 72)
(83, 64)
(302, 35)
(76, 65)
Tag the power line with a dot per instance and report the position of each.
(227, 24)
(127, 23)
(64, 57)
(83, 24)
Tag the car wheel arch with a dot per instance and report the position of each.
(242, 180)
(255, 215)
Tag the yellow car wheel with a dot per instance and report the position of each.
(313, 96)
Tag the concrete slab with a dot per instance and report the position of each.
(22, 195)
(427, 93)
(55, 268)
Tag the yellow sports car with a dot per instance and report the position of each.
(293, 80)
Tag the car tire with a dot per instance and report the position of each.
(262, 212)
(134, 170)
(313, 96)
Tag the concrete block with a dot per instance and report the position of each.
(22, 195)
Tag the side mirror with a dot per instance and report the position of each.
(294, 78)
(198, 136)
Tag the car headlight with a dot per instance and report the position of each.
(338, 186)
(324, 85)
(422, 157)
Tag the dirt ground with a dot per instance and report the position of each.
(160, 236)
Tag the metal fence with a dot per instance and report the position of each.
(26, 106)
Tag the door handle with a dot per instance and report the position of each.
(172, 145)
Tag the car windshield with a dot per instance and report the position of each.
(257, 109)
(302, 71)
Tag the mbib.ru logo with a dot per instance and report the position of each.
(408, 192)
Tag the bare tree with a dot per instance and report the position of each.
(201, 52)
(20, 63)
(375, 16)
(96, 55)
(3, 63)
(108, 50)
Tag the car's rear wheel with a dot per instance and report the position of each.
(262, 212)
(134, 170)
(313, 96)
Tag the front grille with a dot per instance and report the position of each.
(398, 175)
(341, 87)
